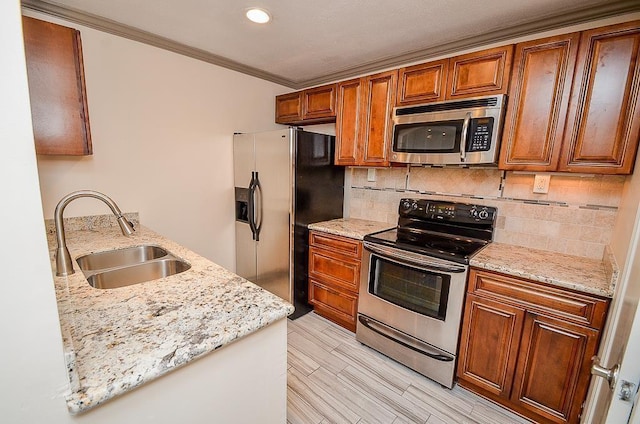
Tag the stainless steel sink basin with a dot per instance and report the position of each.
(132, 265)
(134, 274)
(120, 257)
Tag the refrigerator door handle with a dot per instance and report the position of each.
(254, 209)
(258, 214)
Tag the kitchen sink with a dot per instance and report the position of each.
(111, 269)
(134, 274)
(120, 257)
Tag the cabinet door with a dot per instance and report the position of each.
(554, 368)
(348, 122)
(422, 83)
(319, 102)
(56, 88)
(603, 124)
(378, 100)
(289, 108)
(480, 73)
(489, 344)
(538, 101)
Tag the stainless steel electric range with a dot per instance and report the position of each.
(414, 280)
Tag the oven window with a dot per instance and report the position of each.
(432, 137)
(418, 290)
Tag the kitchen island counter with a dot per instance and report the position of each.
(572, 272)
(115, 340)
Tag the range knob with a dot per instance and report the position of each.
(406, 205)
(483, 214)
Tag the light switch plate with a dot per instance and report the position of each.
(541, 183)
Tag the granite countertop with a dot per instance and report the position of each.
(117, 339)
(350, 227)
(582, 274)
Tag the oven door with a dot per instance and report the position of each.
(413, 293)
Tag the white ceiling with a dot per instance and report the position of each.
(311, 42)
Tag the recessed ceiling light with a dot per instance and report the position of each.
(258, 16)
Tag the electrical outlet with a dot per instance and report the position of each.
(371, 174)
(541, 183)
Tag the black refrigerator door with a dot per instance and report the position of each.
(319, 194)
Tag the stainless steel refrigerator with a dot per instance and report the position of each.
(284, 180)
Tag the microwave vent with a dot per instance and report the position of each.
(452, 105)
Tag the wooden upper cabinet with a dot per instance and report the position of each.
(348, 122)
(422, 83)
(603, 123)
(363, 120)
(289, 108)
(480, 74)
(319, 102)
(311, 106)
(379, 98)
(56, 88)
(538, 100)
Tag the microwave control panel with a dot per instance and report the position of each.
(480, 132)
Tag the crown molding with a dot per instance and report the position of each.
(548, 23)
(131, 33)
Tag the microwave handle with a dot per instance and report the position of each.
(463, 139)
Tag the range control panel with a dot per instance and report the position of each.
(446, 211)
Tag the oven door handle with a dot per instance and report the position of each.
(398, 337)
(410, 259)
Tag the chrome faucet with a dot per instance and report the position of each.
(64, 266)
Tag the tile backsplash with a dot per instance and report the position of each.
(576, 216)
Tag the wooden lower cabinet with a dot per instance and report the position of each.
(519, 351)
(490, 361)
(334, 277)
(553, 371)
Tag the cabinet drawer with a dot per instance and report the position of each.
(346, 246)
(336, 270)
(577, 307)
(335, 305)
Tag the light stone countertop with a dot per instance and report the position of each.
(117, 339)
(582, 274)
(572, 272)
(350, 227)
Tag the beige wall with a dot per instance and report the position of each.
(31, 359)
(162, 127)
(577, 216)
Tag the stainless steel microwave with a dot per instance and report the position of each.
(460, 132)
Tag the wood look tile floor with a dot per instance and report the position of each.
(332, 378)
